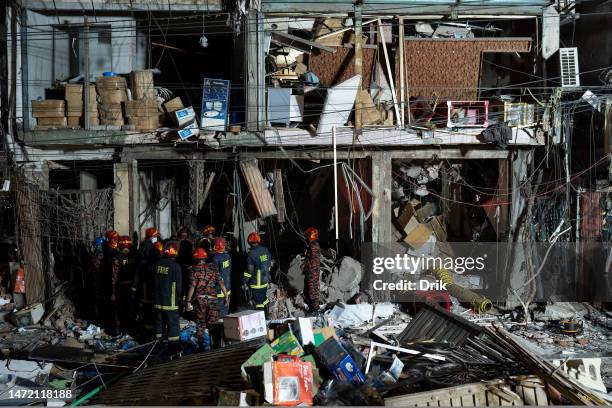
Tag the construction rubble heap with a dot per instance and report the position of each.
(355, 352)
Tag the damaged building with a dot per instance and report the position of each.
(429, 183)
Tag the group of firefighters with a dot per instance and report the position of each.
(164, 278)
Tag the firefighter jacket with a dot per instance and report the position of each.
(223, 262)
(257, 275)
(168, 283)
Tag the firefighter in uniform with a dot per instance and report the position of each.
(142, 287)
(123, 269)
(204, 279)
(151, 236)
(223, 262)
(311, 268)
(257, 276)
(208, 237)
(167, 284)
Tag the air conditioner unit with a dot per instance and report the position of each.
(570, 74)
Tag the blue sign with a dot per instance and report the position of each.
(215, 104)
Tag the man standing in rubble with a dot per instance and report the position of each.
(168, 281)
(311, 268)
(204, 279)
(257, 276)
(123, 268)
(143, 286)
(223, 262)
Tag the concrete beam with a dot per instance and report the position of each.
(125, 6)
(121, 199)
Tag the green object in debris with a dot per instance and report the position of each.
(287, 344)
(60, 384)
(258, 358)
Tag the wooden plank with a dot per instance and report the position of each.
(259, 192)
(298, 42)
(279, 194)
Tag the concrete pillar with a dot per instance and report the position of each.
(134, 198)
(382, 178)
(164, 215)
(88, 182)
(121, 198)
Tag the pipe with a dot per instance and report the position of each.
(478, 303)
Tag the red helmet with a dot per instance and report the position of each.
(159, 247)
(200, 253)
(111, 234)
(219, 245)
(170, 250)
(151, 232)
(124, 242)
(312, 234)
(254, 238)
(208, 230)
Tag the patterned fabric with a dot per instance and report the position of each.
(205, 279)
(312, 267)
(207, 313)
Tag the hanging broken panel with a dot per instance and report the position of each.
(258, 188)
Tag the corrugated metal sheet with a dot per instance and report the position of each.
(417, 7)
(492, 393)
(450, 68)
(435, 324)
(188, 380)
(258, 189)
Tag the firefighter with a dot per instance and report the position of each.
(204, 281)
(311, 268)
(223, 262)
(143, 286)
(208, 237)
(257, 276)
(168, 281)
(152, 236)
(19, 288)
(123, 269)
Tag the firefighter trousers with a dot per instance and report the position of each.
(206, 314)
(167, 325)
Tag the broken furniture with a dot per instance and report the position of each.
(284, 107)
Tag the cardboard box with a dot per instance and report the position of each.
(50, 108)
(339, 362)
(142, 84)
(144, 123)
(113, 96)
(173, 105)
(417, 234)
(104, 84)
(74, 92)
(111, 122)
(184, 117)
(322, 334)
(288, 381)
(141, 108)
(245, 325)
(287, 344)
(111, 111)
(75, 108)
(188, 132)
(52, 122)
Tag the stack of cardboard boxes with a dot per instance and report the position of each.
(50, 113)
(113, 92)
(143, 111)
(183, 118)
(75, 105)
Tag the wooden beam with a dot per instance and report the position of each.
(290, 40)
(358, 71)
(389, 72)
(402, 74)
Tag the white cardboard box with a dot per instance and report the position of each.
(245, 325)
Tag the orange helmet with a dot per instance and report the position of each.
(312, 234)
(170, 250)
(219, 245)
(209, 230)
(159, 247)
(111, 234)
(200, 253)
(254, 238)
(151, 232)
(124, 242)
